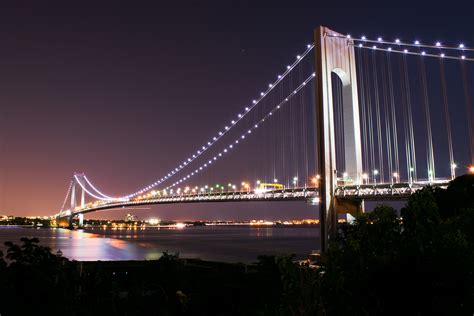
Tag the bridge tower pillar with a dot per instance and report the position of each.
(334, 53)
(83, 198)
(73, 203)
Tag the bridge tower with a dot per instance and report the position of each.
(73, 203)
(334, 53)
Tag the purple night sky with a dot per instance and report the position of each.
(123, 90)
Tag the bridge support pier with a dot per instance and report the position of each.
(70, 220)
(353, 207)
(81, 221)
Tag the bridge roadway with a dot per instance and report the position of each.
(368, 192)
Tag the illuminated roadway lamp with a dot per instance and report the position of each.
(471, 169)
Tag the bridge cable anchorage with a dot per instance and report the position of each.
(226, 129)
(243, 136)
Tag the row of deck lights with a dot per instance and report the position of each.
(395, 176)
(245, 186)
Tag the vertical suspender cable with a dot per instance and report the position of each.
(377, 116)
(405, 120)
(468, 101)
(370, 128)
(429, 134)
(410, 118)
(361, 89)
(446, 114)
(387, 118)
(394, 114)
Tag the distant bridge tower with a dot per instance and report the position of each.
(74, 204)
(334, 53)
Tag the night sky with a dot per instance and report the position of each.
(124, 90)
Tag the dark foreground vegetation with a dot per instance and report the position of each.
(421, 263)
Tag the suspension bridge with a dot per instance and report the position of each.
(350, 119)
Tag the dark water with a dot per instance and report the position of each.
(219, 243)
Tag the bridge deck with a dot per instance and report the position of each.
(381, 192)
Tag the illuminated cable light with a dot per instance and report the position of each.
(379, 39)
(239, 115)
(360, 45)
(438, 44)
(463, 57)
(348, 36)
(288, 67)
(230, 146)
(279, 76)
(417, 42)
(364, 38)
(442, 55)
(298, 57)
(374, 47)
(423, 53)
(461, 45)
(262, 120)
(405, 51)
(389, 49)
(270, 85)
(397, 41)
(232, 122)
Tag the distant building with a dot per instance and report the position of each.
(131, 218)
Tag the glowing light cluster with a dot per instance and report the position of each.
(404, 47)
(227, 128)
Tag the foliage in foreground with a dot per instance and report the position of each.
(421, 263)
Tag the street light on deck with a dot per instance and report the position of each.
(376, 172)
